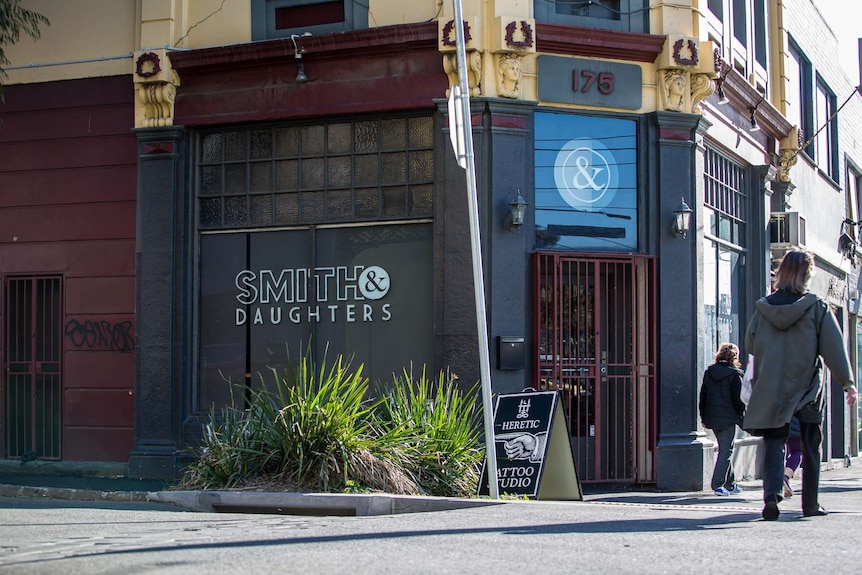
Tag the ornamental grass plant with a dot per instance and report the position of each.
(315, 427)
(437, 428)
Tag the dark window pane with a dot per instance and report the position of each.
(286, 208)
(261, 210)
(314, 14)
(212, 147)
(340, 206)
(393, 134)
(367, 203)
(394, 202)
(313, 140)
(366, 170)
(312, 173)
(740, 21)
(287, 142)
(236, 146)
(365, 137)
(261, 144)
(236, 210)
(236, 178)
(287, 175)
(394, 168)
(211, 180)
(313, 207)
(261, 177)
(338, 175)
(339, 139)
(422, 166)
(421, 132)
(210, 212)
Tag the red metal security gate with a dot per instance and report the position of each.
(32, 397)
(595, 330)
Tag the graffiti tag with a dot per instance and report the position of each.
(101, 335)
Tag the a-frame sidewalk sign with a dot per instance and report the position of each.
(533, 448)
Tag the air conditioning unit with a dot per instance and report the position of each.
(786, 229)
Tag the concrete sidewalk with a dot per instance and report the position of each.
(840, 491)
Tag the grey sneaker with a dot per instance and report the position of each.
(722, 492)
(736, 489)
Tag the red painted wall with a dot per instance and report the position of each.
(68, 162)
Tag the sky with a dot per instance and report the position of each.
(843, 18)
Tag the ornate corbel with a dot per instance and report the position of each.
(702, 87)
(155, 89)
(447, 44)
(474, 71)
(685, 74)
(788, 153)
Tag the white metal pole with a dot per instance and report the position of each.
(478, 278)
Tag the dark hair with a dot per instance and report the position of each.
(794, 271)
(728, 352)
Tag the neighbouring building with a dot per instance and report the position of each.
(188, 188)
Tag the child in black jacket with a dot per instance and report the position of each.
(721, 410)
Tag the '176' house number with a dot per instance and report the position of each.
(586, 80)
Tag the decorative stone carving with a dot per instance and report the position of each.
(786, 160)
(509, 75)
(672, 84)
(155, 89)
(474, 70)
(702, 87)
(788, 153)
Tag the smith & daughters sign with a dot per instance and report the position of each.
(313, 295)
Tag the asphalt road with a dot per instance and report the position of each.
(626, 532)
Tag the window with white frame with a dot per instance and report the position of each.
(624, 15)
(825, 142)
(281, 18)
(741, 28)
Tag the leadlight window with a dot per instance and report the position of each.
(358, 170)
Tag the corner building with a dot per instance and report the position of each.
(295, 184)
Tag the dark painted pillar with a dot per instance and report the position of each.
(780, 201)
(684, 454)
(508, 157)
(502, 146)
(160, 362)
(456, 342)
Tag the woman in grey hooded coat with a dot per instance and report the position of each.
(790, 331)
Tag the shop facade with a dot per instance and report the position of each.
(300, 192)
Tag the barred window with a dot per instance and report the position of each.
(724, 249)
(724, 197)
(355, 170)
